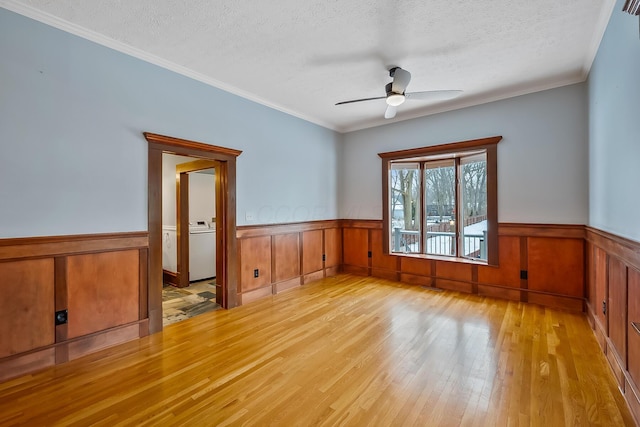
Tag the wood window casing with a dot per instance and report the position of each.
(489, 145)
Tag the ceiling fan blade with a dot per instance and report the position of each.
(401, 79)
(360, 100)
(390, 113)
(434, 95)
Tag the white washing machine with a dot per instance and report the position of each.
(202, 251)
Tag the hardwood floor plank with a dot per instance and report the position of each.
(346, 350)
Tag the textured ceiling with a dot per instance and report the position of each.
(303, 56)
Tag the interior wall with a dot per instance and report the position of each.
(542, 159)
(614, 128)
(169, 162)
(74, 158)
(202, 197)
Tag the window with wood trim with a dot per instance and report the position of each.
(442, 200)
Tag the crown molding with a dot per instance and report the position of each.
(103, 40)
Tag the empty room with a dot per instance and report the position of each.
(359, 213)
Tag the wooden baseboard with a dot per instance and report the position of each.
(31, 361)
(170, 278)
(11, 367)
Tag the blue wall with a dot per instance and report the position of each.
(614, 129)
(74, 159)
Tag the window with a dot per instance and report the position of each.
(442, 200)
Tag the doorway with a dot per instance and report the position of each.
(225, 224)
(189, 255)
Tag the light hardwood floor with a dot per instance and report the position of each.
(342, 351)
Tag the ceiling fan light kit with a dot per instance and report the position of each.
(395, 99)
(396, 93)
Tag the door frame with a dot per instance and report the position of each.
(227, 275)
(182, 218)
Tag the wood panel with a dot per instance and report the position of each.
(507, 272)
(415, 265)
(26, 306)
(312, 251)
(556, 265)
(255, 254)
(333, 247)
(625, 249)
(49, 246)
(286, 256)
(601, 286)
(103, 291)
(245, 231)
(633, 317)
(590, 288)
(617, 306)
(356, 246)
(379, 259)
(343, 351)
(453, 271)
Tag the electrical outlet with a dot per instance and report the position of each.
(369, 254)
(324, 257)
(249, 216)
(61, 317)
(256, 273)
(524, 274)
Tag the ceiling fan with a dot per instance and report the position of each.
(396, 94)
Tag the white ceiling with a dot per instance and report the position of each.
(303, 56)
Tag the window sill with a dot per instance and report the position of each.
(441, 258)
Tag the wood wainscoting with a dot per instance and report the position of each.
(275, 258)
(97, 282)
(613, 307)
(542, 264)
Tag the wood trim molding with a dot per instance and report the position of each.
(488, 145)
(179, 146)
(227, 264)
(626, 249)
(361, 223)
(196, 165)
(39, 247)
(246, 231)
(451, 147)
(569, 231)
